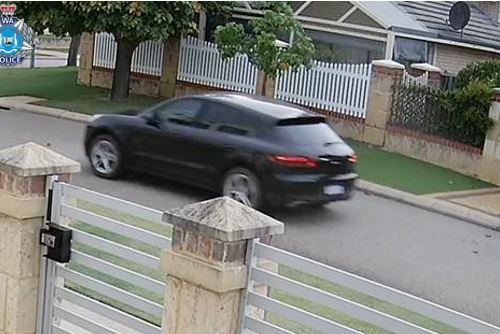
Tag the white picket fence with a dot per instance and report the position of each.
(147, 57)
(201, 63)
(342, 88)
(421, 80)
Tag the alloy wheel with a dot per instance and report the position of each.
(104, 157)
(241, 188)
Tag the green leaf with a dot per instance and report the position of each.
(260, 43)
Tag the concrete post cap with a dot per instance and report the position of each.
(31, 159)
(388, 63)
(224, 219)
(426, 67)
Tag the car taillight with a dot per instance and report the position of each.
(353, 158)
(294, 161)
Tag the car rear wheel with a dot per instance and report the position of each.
(105, 157)
(243, 186)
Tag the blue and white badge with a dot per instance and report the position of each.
(15, 37)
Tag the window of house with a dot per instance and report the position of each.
(409, 51)
(337, 48)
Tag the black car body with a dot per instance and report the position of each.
(294, 154)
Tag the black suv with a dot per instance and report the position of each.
(259, 151)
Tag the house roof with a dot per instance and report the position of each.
(391, 15)
(423, 18)
(480, 30)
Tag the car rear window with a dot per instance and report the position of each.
(306, 132)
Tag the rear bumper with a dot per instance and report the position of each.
(290, 189)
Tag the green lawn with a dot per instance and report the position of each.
(59, 87)
(408, 174)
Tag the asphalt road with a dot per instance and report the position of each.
(435, 257)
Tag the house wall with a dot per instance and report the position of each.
(452, 58)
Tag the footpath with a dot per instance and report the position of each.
(480, 206)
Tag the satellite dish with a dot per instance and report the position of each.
(459, 15)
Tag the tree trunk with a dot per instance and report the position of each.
(74, 46)
(121, 74)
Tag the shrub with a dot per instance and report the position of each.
(460, 115)
(487, 72)
(469, 106)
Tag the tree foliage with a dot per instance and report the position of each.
(55, 16)
(129, 22)
(487, 72)
(471, 104)
(260, 42)
(459, 115)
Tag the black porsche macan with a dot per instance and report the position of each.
(262, 152)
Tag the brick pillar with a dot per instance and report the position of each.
(265, 85)
(86, 58)
(492, 143)
(435, 73)
(206, 267)
(385, 73)
(23, 173)
(170, 67)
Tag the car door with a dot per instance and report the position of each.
(168, 141)
(225, 139)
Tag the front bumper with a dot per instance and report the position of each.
(291, 189)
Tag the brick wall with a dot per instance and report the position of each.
(452, 58)
(139, 83)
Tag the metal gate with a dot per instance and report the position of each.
(112, 283)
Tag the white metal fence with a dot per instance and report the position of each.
(112, 284)
(421, 80)
(321, 297)
(201, 63)
(342, 88)
(147, 57)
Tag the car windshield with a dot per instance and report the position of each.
(318, 133)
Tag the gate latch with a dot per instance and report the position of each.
(58, 241)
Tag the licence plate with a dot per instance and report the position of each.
(334, 190)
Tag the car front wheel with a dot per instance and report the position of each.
(105, 157)
(243, 186)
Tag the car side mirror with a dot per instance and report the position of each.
(152, 120)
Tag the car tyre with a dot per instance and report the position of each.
(105, 157)
(243, 185)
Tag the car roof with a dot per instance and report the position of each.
(271, 109)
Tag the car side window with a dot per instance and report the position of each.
(226, 119)
(182, 112)
(234, 130)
